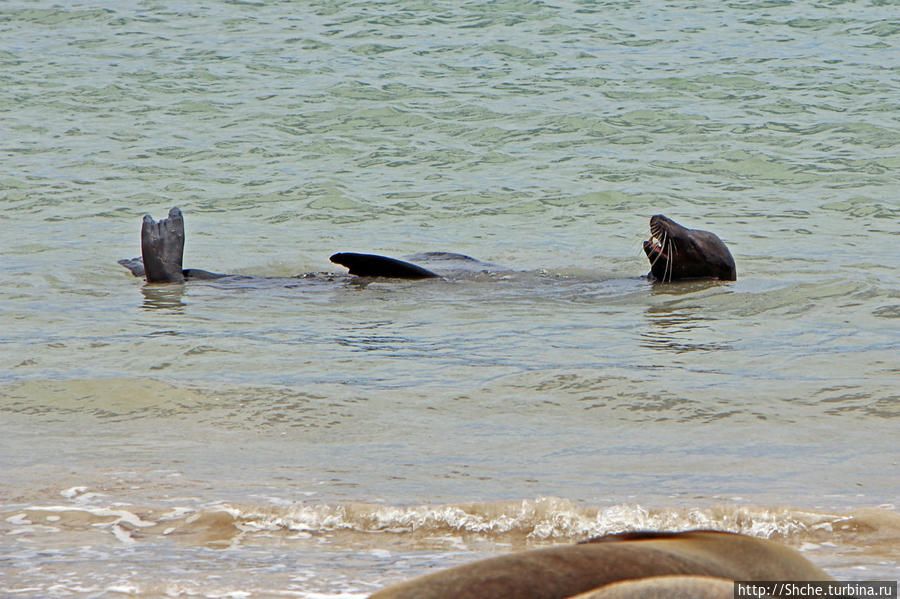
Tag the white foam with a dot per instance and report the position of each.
(176, 513)
(61, 589)
(810, 547)
(542, 519)
(33, 529)
(120, 515)
(72, 492)
(19, 519)
(86, 497)
(122, 535)
(123, 589)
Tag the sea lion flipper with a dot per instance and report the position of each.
(162, 248)
(135, 265)
(371, 265)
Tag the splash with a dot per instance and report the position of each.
(539, 521)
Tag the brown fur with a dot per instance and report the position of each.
(567, 570)
(665, 587)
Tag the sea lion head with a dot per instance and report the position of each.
(678, 253)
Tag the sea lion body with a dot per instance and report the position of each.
(675, 253)
(568, 570)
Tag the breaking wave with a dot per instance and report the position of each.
(537, 521)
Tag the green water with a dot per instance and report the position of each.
(320, 437)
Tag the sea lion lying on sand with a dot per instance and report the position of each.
(675, 253)
(629, 565)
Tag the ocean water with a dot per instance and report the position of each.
(321, 437)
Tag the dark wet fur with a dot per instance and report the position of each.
(680, 253)
(162, 252)
(371, 265)
(637, 535)
(162, 248)
(677, 253)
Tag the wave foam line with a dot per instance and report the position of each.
(545, 519)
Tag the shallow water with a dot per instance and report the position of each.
(322, 437)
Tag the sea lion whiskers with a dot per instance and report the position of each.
(661, 243)
(664, 246)
(670, 259)
(665, 252)
(687, 253)
(656, 247)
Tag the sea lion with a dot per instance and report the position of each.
(568, 570)
(678, 253)
(674, 253)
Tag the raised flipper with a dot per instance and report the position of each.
(162, 248)
(370, 265)
(162, 245)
